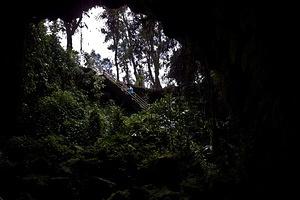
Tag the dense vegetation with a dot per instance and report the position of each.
(73, 145)
(247, 48)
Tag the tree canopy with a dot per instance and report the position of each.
(138, 43)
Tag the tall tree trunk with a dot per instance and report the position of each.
(127, 75)
(129, 38)
(116, 59)
(69, 40)
(157, 84)
(134, 67)
(149, 69)
(155, 60)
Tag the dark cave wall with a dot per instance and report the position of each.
(11, 69)
(247, 43)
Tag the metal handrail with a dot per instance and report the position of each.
(142, 103)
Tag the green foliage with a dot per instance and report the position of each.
(60, 113)
(69, 138)
(94, 61)
(170, 121)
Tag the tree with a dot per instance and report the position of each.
(112, 32)
(130, 43)
(71, 26)
(157, 49)
(94, 61)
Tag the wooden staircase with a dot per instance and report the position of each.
(136, 98)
